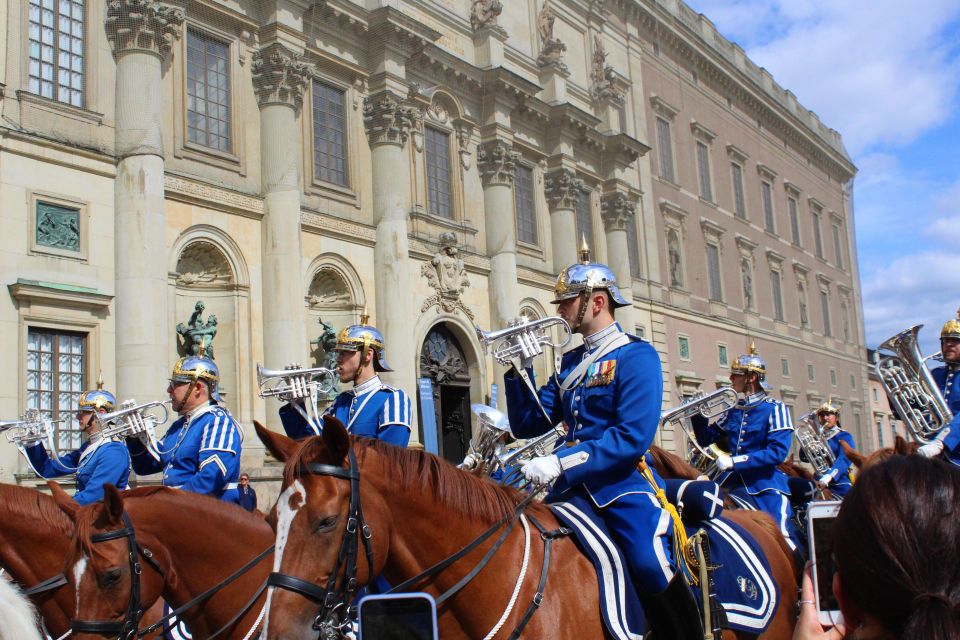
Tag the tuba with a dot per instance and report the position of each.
(813, 444)
(708, 405)
(134, 420)
(912, 391)
(297, 383)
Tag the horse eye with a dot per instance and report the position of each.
(111, 577)
(327, 523)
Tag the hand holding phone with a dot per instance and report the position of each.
(820, 518)
(808, 623)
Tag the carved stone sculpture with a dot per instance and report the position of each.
(617, 209)
(603, 77)
(552, 49)
(147, 25)
(497, 162)
(388, 120)
(327, 354)
(447, 274)
(279, 76)
(484, 13)
(563, 189)
(673, 253)
(197, 335)
(746, 277)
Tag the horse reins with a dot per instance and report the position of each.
(332, 599)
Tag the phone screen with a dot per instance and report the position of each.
(824, 566)
(397, 618)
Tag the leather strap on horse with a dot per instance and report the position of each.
(49, 584)
(548, 537)
(685, 552)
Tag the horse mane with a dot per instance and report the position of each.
(29, 505)
(411, 470)
(670, 465)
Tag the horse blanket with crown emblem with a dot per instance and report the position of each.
(743, 581)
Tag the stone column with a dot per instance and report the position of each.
(388, 123)
(617, 210)
(141, 33)
(279, 79)
(563, 192)
(496, 162)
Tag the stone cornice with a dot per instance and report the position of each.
(745, 243)
(621, 150)
(27, 292)
(662, 107)
(701, 132)
(505, 83)
(711, 228)
(775, 257)
(389, 27)
(737, 153)
(766, 171)
(791, 188)
(280, 76)
(672, 211)
(143, 25)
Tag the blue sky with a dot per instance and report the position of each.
(886, 75)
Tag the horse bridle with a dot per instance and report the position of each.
(334, 614)
(127, 628)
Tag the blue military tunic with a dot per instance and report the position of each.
(949, 384)
(612, 415)
(105, 461)
(839, 473)
(200, 453)
(372, 410)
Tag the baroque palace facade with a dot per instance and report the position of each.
(433, 161)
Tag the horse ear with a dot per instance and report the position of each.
(67, 504)
(901, 446)
(278, 444)
(113, 502)
(336, 438)
(851, 453)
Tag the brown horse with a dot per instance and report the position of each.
(189, 543)
(421, 510)
(901, 447)
(35, 540)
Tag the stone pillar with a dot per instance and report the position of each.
(563, 192)
(617, 210)
(141, 33)
(497, 162)
(389, 123)
(279, 79)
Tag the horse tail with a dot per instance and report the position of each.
(18, 618)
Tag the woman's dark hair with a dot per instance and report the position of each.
(897, 546)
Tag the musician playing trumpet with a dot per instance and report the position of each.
(948, 441)
(97, 461)
(837, 479)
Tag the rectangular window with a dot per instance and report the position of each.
(722, 357)
(666, 152)
(785, 367)
(56, 42)
(640, 331)
(880, 432)
(876, 396)
(817, 239)
(825, 306)
(329, 134)
(713, 268)
(208, 91)
(777, 295)
(794, 221)
(837, 246)
(58, 226)
(684, 344)
(55, 366)
(584, 220)
(810, 375)
(766, 195)
(633, 248)
(703, 168)
(523, 205)
(439, 178)
(833, 377)
(853, 381)
(739, 204)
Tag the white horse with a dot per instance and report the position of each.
(18, 618)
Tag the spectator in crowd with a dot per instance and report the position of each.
(248, 497)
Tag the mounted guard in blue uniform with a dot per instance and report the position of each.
(371, 408)
(948, 382)
(608, 392)
(837, 479)
(201, 450)
(756, 436)
(98, 460)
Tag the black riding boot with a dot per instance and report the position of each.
(673, 614)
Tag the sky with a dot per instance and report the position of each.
(886, 75)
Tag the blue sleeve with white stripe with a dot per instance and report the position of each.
(395, 419)
(779, 440)
(219, 459)
(47, 467)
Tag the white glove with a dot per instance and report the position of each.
(724, 462)
(529, 347)
(825, 480)
(542, 470)
(932, 449)
(470, 462)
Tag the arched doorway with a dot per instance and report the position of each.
(443, 361)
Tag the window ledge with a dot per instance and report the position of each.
(709, 203)
(532, 250)
(668, 182)
(209, 155)
(48, 104)
(333, 191)
(58, 295)
(419, 214)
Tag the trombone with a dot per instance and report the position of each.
(298, 383)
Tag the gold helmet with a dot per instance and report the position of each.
(97, 399)
(750, 363)
(828, 407)
(951, 328)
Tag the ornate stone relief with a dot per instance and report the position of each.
(447, 275)
(497, 162)
(603, 77)
(388, 120)
(202, 263)
(196, 336)
(441, 358)
(563, 189)
(616, 210)
(464, 131)
(328, 289)
(280, 76)
(746, 279)
(484, 14)
(146, 25)
(552, 49)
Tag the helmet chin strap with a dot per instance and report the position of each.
(584, 302)
(363, 356)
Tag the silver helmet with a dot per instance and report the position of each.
(587, 276)
(361, 337)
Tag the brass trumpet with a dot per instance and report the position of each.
(134, 420)
(32, 428)
(525, 339)
(298, 383)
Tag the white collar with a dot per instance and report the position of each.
(373, 384)
(752, 399)
(196, 412)
(595, 339)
